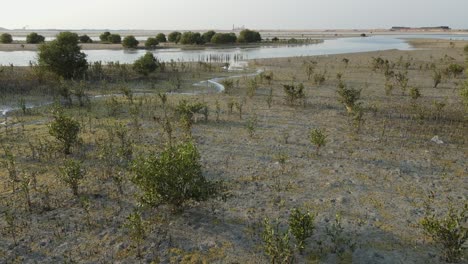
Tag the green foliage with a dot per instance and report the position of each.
(137, 229)
(302, 226)
(464, 94)
(65, 129)
(454, 70)
(114, 39)
(34, 38)
(130, 42)
(146, 64)
(449, 232)
(252, 86)
(151, 43)
(349, 97)
(294, 93)
(63, 56)
(186, 111)
(276, 243)
(71, 174)
(318, 138)
(228, 85)
(402, 80)
(207, 36)
(191, 38)
(437, 78)
(341, 242)
(415, 93)
(6, 38)
(161, 38)
(174, 37)
(172, 177)
(223, 38)
(85, 39)
(104, 37)
(251, 125)
(249, 36)
(319, 78)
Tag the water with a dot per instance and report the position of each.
(329, 46)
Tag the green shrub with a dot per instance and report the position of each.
(34, 38)
(174, 37)
(146, 64)
(223, 38)
(6, 38)
(464, 94)
(294, 93)
(436, 78)
(349, 97)
(318, 138)
(341, 241)
(114, 39)
(414, 93)
(65, 129)
(151, 43)
(228, 85)
(402, 80)
(161, 38)
(63, 56)
(104, 37)
(454, 70)
(85, 39)
(191, 38)
(276, 243)
(449, 232)
(207, 36)
(319, 78)
(71, 174)
(172, 177)
(302, 227)
(137, 229)
(186, 111)
(251, 125)
(130, 42)
(249, 36)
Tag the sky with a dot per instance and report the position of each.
(223, 14)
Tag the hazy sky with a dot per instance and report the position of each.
(222, 14)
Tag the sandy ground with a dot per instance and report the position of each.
(437, 43)
(378, 179)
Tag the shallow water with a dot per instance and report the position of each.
(329, 46)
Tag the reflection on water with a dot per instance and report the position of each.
(329, 46)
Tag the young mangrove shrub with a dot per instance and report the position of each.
(302, 227)
(294, 93)
(228, 85)
(318, 138)
(414, 93)
(269, 99)
(251, 125)
(130, 42)
(402, 80)
(65, 129)
(173, 177)
(146, 64)
(464, 94)
(449, 232)
(186, 111)
(349, 97)
(319, 78)
(252, 87)
(454, 70)
(340, 241)
(276, 243)
(137, 229)
(436, 78)
(71, 174)
(6, 38)
(151, 43)
(63, 56)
